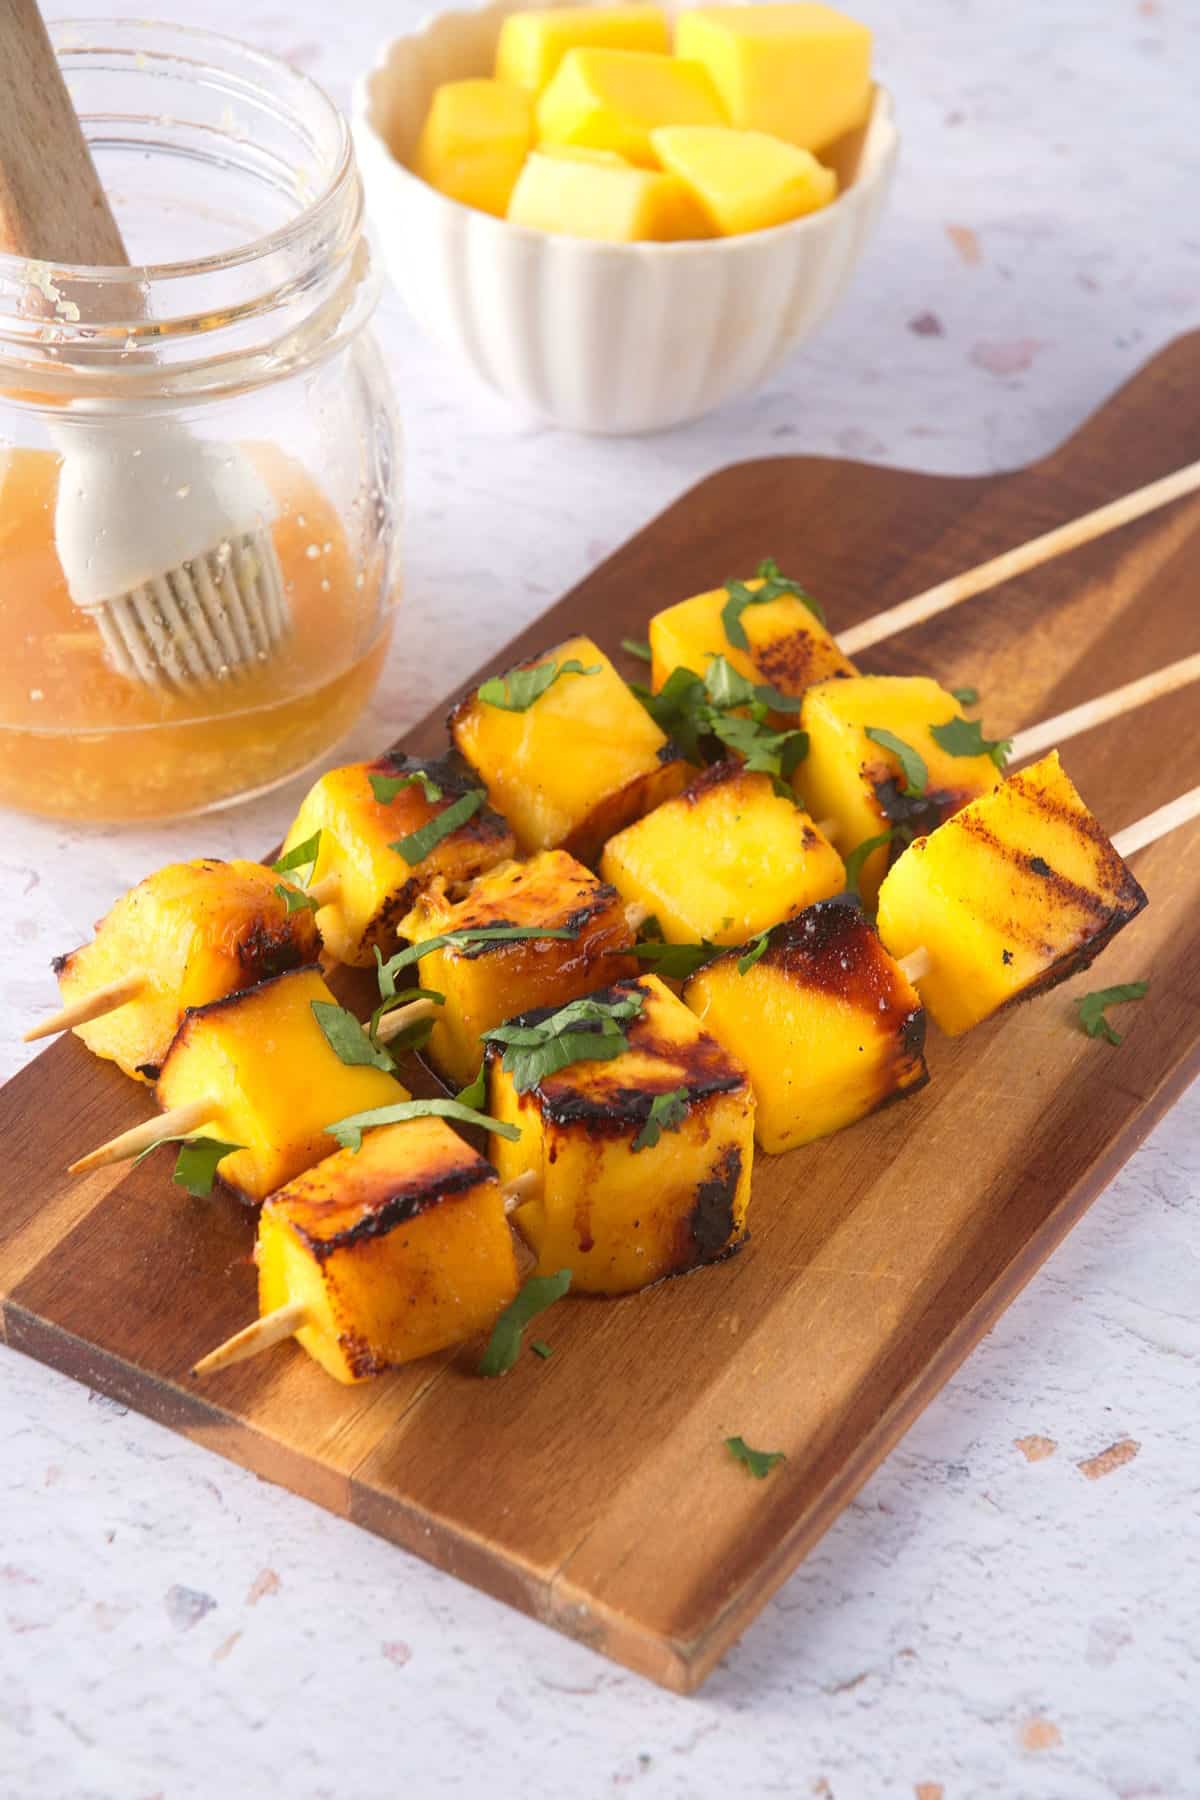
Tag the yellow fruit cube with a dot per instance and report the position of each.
(195, 931)
(394, 1251)
(614, 99)
(1017, 892)
(827, 1024)
(801, 71)
(274, 1080)
(608, 199)
(485, 983)
(475, 138)
(859, 782)
(617, 1209)
(532, 44)
(724, 861)
(786, 643)
(376, 883)
(744, 180)
(576, 764)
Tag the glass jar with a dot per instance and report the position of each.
(242, 321)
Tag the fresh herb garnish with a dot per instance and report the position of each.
(540, 1349)
(392, 1002)
(1091, 1008)
(386, 787)
(667, 1113)
(517, 691)
(347, 1038)
(348, 1131)
(504, 1345)
(675, 962)
(966, 696)
(416, 846)
(758, 1463)
(727, 688)
(454, 940)
(859, 855)
(725, 706)
(964, 737)
(916, 774)
(679, 709)
(582, 1031)
(475, 1093)
(774, 586)
(636, 647)
(774, 753)
(301, 860)
(295, 899)
(754, 952)
(196, 1164)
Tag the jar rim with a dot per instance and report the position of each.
(280, 238)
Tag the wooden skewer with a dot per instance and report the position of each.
(916, 965)
(89, 1006)
(285, 1321)
(393, 1023)
(1020, 560)
(1066, 725)
(178, 1121)
(325, 891)
(1157, 824)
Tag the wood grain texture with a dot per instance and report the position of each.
(593, 1490)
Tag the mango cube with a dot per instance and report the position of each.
(475, 138)
(620, 1216)
(196, 931)
(724, 861)
(273, 1079)
(827, 1024)
(376, 882)
(597, 194)
(486, 983)
(744, 180)
(788, 646)
(581, 762)
(532, 44)
(860, 783)
(799, 71)
(1014, 894)
(614, 99)
(395, 1250)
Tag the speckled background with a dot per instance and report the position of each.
(1012, 1605)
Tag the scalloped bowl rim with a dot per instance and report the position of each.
(880, 142)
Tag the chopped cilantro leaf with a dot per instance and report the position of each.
(196, 1164)
(517, 691)
(475, 1093)
(1091, 1008)
(417, 845)
(964, 737)
(541, 1349)
(348, 1131)
(740, 596)
(667, 1113)
(347, 1038)
(758, 1463)
(859, 855)
(675, 962)
(295, 899)
(386, 787)
(754, 952)
(916, 774)
(300, 860)
(455, 940)
(504, 1345)
(966, 696)
(636, 647)
(583, 1031)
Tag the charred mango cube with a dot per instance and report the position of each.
(724, 861)
(376, 849)
(1016, 893)
(623, 1200)
(573, 765)
(274, 1081)
(487, 982)
(827, 1024)
(860, 783)
(787, 646)
(395, 1250)
(195, 931)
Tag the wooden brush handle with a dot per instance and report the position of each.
(52, 205)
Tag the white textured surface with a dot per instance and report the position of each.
(977, 1624)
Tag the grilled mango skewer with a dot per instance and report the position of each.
(186, 935)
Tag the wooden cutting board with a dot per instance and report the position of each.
(593, 1490)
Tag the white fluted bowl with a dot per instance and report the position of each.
(594, 336)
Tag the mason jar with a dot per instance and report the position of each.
(242, 320)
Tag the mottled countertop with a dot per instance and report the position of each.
(1010, 1607)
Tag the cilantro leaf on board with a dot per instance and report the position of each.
(348, 1131)
(196, 1164)
(541, 1349)
(636, 647)
(301, 860)
(916, 774)
(416, 846)
(386, 787)
(348, 1039)
(966, 696)
(774, 585)
(675, 962)
(758, 1463)
(1091, 1008)
(964, 737)
(859, 855)
(517, 691)
(754, 952)
(667, 1113)
(460, 939)
(583, 1031)
(504, 1345)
